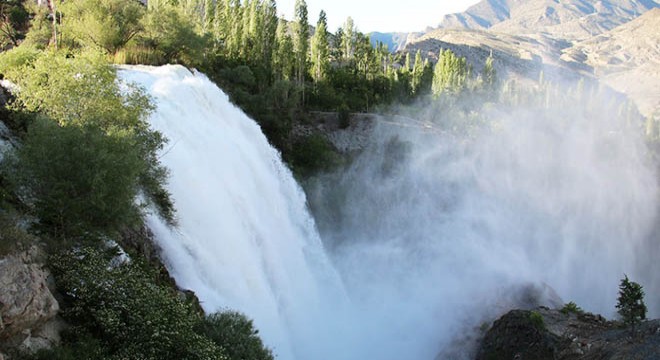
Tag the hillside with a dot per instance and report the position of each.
(572, 19)
(521, 57)
(527, 37)
(627, 59)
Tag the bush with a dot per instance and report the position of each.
(537, 320)
(235, 333)
(631, 303)
(17, 58)
(81, 90)
(571, 307)
(77, 180)
(312, 154)
(118, 304)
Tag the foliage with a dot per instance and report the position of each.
(320, 49)
(172, 34)
(236, 334)
(13, 22)
(630, 303)
(105, 24)
(311, 154)
(77, 89)
(81, 90)
(40, 27)
(77, 180)
(17, 58)
(13, 237)
(571, 307)
(118, 303)
(537, 320)
(451, 73)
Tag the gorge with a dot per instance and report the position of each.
(427, 235)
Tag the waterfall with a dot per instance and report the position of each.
(245, 240)
(432, 231)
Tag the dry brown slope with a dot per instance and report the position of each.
(627, 58)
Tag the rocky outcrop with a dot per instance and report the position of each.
(28, 308)
(554, 335)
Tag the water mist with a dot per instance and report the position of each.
(439, 220)
(429, 232)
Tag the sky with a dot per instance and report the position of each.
(379, 15)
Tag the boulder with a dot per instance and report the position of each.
(27, 305)
(544, 333)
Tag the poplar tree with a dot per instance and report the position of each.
(283, 59)
(417, 72)
(320, 49)
(301, 44)
(450, 74)
(489, 74)
(348, 39)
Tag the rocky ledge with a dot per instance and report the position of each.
(28, 309)
(543, 333)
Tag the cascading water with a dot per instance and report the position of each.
(245, 240)
(430, 232)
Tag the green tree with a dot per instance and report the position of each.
(284, 58)
(451, 73)
(348, 39)
(300, 41)
(235, 333)
(417, 72)
(320, 51)
(75, 90)
(106, 24)
(13, 23)
(489, 75)
(171, 33)
(77, 180)
(631, 303)
(81, 90)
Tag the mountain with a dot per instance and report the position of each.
(394, 41)
(627, 59)
(569, 19)
(527, 37)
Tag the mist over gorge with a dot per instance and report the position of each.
(440, 223)
(208, 180)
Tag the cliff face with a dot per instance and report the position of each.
(28, 308)
(551, 334)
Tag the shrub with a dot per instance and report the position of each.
(235, 333)
(312, 154)
(81, 90)
(77, 180)
(571, 307)
(631, 303)
(537, 320)
(119, 304)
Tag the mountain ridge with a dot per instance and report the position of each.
(570, 19)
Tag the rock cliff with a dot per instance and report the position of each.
(28, 308)
(555, 335)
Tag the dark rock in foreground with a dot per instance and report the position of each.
(551, 334)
